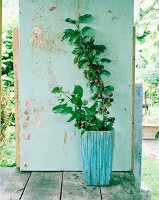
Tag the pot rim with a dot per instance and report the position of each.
(101, 131)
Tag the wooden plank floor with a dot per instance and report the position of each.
(16, 185)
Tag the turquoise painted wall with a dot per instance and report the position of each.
(47, 142)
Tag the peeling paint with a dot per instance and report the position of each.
(26, 112)
(52, 9)
(39, 121)
(114, 18)
(65, 137)
(110, 11)
(25, 165)
(25, 125)
(27, 103)
(25, 137)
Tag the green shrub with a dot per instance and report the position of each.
(7, 135)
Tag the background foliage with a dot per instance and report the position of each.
(7, 135)
(10, 12)
(148, 48)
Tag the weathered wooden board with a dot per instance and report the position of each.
(12, 182)
(64, 186)
(47, 142)
(122, 187)
(138, 132)
(16, 90)
(43, 186)
(73, 188)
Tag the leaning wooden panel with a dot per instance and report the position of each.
(16, 89)
(74, 188)
(12, 182)
(43, 186)
(122, 187)
(46, 62)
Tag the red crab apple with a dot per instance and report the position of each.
(97, 80)
(100, 85)
(82, 126)
(111, 99)
(99, 71)
(110, 119)
(91, 82)
(104, 101)
(99, 109)
(111, 94)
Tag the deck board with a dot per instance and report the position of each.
(73, 188)
(12, 183)
(122, 187)
(43, 186)
(16, 185)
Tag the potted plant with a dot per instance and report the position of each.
(91, 117)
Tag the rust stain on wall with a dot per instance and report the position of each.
(25, 137)
(33, 114)
(40, 39)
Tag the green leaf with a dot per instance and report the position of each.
(85, 29)
(78, 90)
(72, 117)
(67, 33)
(84, 18)
(100, 47)
(56, 90)
(90, 111)
(94, 106)
(82, 132)
(85, 102)
(59, 108)
(109, 88)
(74, 36)
(75, 60)
(105, 60)
(69, 20)
(61, 100)
(62, 109)
(106, 73)
(76, 99)
(109, 126)
(66, 110)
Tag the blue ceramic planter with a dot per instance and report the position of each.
(97, 156)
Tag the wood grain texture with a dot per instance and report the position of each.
(53, 186)
(12, 182)
(73, 188)
(43, 186)
(122, 187)
(16, 91)
(138, 132)
(97, 156)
